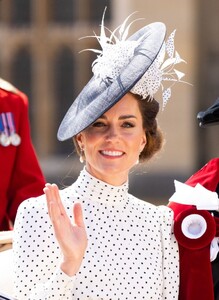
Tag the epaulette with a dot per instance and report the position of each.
(7, 86)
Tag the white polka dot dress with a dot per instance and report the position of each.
(131, 254)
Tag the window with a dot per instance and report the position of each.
(21, 13)
(61, 11)
(21, 71)
(69, 11)
(21, 77)
(64, 91)
(96, 14)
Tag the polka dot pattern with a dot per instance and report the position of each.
(131, 254)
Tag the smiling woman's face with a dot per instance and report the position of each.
(113, 142)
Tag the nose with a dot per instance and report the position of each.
(112, 133)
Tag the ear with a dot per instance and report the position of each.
(143, 142)
(79, 139)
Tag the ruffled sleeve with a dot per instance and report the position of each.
(58, 287)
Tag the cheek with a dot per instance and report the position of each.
(137, 140)
(90, 141)
(91, 138)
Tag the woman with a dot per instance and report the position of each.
(122, 247)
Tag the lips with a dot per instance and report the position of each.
(112, 153)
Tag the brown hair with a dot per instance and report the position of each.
(149, 109)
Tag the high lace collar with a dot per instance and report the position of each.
(89, 187)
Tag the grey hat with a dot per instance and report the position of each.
(99, 95)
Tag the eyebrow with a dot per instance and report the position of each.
(123, 117)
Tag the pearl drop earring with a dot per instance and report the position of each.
(81, 159)
(137, 162)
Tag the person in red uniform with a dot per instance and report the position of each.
(20, 174)
(199, 250)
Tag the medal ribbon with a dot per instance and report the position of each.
(5, 124)
(1, 124)
(10, 120)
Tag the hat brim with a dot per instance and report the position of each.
(210, 116)
(99, 96)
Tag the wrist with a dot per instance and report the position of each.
(70, 268)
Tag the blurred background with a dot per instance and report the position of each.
(39, 54)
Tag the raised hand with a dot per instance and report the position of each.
(72, 238)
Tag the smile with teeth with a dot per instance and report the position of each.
(112, 153)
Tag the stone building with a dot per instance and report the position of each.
(39, 53)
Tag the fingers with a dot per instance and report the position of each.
(51, 201)
(78, 215)
(56, 208)
(54, 204)
(58, 199)
(47, 192)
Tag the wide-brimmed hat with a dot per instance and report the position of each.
(210, 116)
(117, 70)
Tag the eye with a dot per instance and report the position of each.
(98, 124)
(128, 125)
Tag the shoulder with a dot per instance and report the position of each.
(38, 205)
(7, 86)
(166, 214)
(10, 93)
(33, 205)
(141, 204)
(161, 213)
(143, 209)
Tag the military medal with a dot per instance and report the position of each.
(4, 137)
(15, 139)
(8, 135)
(4, 140)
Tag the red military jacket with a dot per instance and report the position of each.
(20, 174)
(196, 276)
